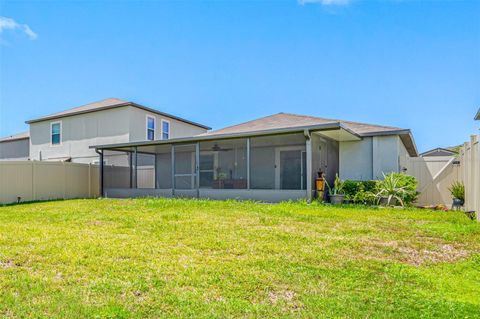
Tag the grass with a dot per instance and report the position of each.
(151, 258)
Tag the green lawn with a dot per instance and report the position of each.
(151, 258)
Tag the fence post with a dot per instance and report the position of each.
(89, 180)
(34, 189)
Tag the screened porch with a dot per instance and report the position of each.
(268, 167)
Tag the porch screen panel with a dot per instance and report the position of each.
(184, 166)
(145, 170)
(164, 166)
(116, 169)
(223, 164)
(278, 162)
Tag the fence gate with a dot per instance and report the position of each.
(435, 175)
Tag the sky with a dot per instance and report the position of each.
(409, 64)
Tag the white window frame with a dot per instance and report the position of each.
(61, 133)
(147, 117)
(161, 128)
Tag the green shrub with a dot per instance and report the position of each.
(361, 192)
(337, 186)
(351, 188)
(370, 186)
(457, 190)
(410, 183)
(398, 186)
(366, 198)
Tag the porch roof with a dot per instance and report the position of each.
(336, 131)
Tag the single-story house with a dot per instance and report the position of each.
(440, 151)
(272, 158)
(15, 147)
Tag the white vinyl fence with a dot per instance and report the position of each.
(470, 169)
(35, 180)
(435, 175)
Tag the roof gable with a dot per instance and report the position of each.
(105, 105)
(14, 137)
(439, 151)
(288, 120)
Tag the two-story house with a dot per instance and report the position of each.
(67, 135)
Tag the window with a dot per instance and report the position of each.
(165, 130)
(56, 133)
(150, 128)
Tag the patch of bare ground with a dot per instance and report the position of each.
(5, 264)
(288, 298)
(428, 251)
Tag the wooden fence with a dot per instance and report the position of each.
(35, 180)
(470, 170)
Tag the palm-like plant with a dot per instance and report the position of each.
(390, 189)
(457, 190)
(337, 186)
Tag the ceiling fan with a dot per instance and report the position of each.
(217, 148)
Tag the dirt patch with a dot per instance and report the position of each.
(287, 298)
(96, 223)
(5, 264)
(415, 253)
(442, 253)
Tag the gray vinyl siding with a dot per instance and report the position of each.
(138, 126)
(78, 133)
(15, 150)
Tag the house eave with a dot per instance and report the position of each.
(52, 117)
(207, 137)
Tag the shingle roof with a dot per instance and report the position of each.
(288, 120)
(108, 104)
(477, 117)
(19, 136)
(98, 105)
(439, 150)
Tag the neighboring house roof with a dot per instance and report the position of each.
(105, 105)
(439, 151)
(289, 123)
(477, 117)
(14, 137)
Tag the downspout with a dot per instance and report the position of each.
(308, 175)
(101, 171)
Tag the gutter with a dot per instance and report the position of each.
(206, 137)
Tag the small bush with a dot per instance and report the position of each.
(398, 186)
(370, 186)
(360, 192)
(457, 190)
(351, 188)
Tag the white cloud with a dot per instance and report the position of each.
(10, 24)
(326, 2)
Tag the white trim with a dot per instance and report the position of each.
(61, 133)
(161, 128)
(148, 116)
(277, 161)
